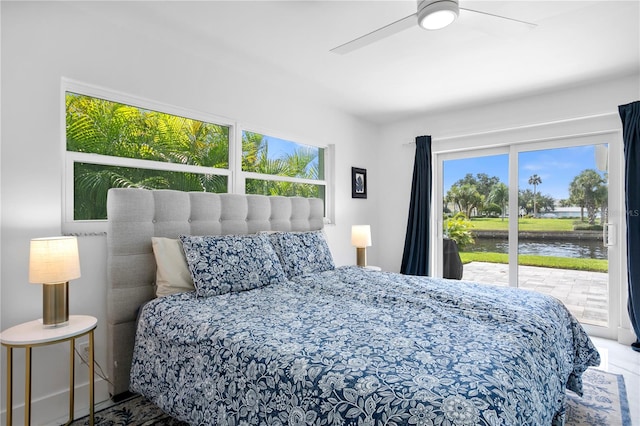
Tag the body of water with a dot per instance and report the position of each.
(581, 249)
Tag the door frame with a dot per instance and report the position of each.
(616, 210)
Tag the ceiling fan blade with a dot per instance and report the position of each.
(531, 24)
(386, 31)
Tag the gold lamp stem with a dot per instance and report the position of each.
(55, 304)
(361, 256)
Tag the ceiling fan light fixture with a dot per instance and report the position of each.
(437, 14)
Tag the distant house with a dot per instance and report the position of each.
(567, 212)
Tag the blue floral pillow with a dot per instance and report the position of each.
(302, 253)
(231, 263)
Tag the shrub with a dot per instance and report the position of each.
(587, 227)
(458, 229)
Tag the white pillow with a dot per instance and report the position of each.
(172, 274)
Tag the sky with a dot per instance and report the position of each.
(555, 167)
(279, 148)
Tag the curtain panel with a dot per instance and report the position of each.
(630, 116)
(415, 259)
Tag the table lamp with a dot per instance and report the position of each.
(53, 262)
(361, 239)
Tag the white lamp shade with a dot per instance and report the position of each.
(361, 235)
(53, 260)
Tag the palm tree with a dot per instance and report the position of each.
(104, 127)
(109, 128)
(535, 181)
(454, 196)
(303, 163)
(588, 190)
(499, 195)
(469, 199)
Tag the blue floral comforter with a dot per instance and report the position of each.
(357, 347)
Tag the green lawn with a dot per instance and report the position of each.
(593, 265)
(524, 224)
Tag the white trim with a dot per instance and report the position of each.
(278, 178)
(69, 85)
(329, 177)
(58, 403)
(609, 117)
(237, 184)
(593, 125)
(527, 126)
(107, 160)
(528, 141)
(436, 221)
(512, 181)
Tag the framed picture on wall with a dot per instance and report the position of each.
(358, 183)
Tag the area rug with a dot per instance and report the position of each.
(604, 403)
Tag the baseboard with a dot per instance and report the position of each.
(53, 410)
(626, 336)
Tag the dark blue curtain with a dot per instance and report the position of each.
(630, 115)
(415, 259)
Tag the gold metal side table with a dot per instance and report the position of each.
(33, 333)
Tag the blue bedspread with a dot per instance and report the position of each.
(358, 347)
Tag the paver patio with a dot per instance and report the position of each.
(584, 293)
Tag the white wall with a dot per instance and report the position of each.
(550, 114)
(44, 42)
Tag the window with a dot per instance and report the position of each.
(161, 145)
(273, 166)
(116, 140)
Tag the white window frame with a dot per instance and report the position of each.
(242, 176)
(235, 176)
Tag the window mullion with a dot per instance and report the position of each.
(279, 178)
(83, 157)
(238, 178)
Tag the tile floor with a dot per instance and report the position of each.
(621, 359)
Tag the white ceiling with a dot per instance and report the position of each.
(478, 58)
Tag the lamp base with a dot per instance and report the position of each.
(55, 304)
(361, 256)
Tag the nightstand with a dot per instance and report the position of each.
(33, 333)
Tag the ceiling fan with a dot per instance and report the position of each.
(431, 15)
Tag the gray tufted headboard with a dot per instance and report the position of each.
(136, 215)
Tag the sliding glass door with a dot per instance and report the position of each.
(563, 206)
(475, 217)
(537, 216)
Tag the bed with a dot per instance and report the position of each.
(282, 336)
